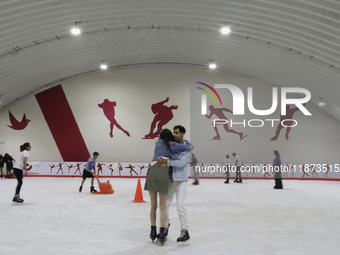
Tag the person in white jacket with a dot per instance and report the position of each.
(226, 162)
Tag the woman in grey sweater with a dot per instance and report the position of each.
(277, 171)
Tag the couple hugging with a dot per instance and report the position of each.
(168, 176)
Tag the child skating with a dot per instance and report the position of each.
(89, 169)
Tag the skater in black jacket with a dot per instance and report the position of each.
(9, 165)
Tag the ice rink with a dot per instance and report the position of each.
(248, 218)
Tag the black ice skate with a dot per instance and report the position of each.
(167, 230)
(184, 238)
(92, 189)
(153, 233)
(80, 189)
(161, 236)
(240, 181)
(227, 181)
(17, 199)
(236, 180)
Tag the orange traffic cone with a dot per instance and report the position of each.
(139, 194)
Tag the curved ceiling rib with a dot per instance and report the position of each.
(279, 41)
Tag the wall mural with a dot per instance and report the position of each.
(208, 170)
(102, 169)
(109, 111)
(62, 124)
(219, 113)
(69, 140)
(15, 124)
(163, 114)
(289, 115)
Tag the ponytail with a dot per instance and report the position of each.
(24, 146)
(167, 144)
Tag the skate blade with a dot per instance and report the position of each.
(158, 242)
(187, 242)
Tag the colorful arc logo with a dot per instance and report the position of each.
(209, 93)
(204, 97)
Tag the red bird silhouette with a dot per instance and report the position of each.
(16, 125)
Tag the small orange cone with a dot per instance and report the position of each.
(139, 194)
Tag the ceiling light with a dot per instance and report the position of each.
(225, 30)
(212, 66)
(103, 66)
(321, 103)
(75, 31)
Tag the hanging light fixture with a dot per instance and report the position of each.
(321, 103)
(76, 30)
(103, 66)
(212, 65)
(225, 29)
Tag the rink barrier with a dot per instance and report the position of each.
(139, 170)
(190, 177)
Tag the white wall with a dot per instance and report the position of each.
(135, 90)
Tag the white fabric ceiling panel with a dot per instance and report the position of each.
(290, 42)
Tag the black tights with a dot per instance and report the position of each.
(18, 174)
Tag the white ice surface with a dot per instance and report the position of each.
(248, 218)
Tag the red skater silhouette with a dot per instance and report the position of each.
(289, 115)
(78, 168)
(202, 168)
(313, 171)
(326, 173)
(100, 168)
(303, 170)
(287, 170)
(131, 167)
(219, 113)
(120, 168)
(69, 167)
(292, 169)
(163, 116)
(16, 125)
(142, 167)
(28, 167)
(110, 167)
(210, 171)
(109, 112)
(53, 166)
(60, 168)
(247, 169)
(254, 169)
(267, 172)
